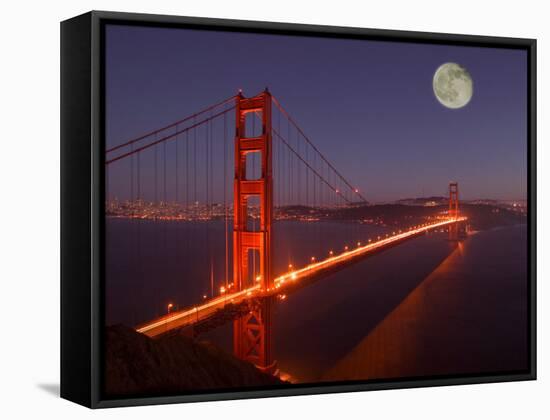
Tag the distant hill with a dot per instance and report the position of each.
(137, 365)
(423, 201)
(399, 215)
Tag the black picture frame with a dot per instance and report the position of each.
(82, 204)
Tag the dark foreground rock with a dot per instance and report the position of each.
(137, 365)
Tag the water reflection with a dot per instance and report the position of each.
(468, 316)
(425, 307)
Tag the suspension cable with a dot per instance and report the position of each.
(295, 124)
(285, 142)
(168, 137)
(193, 116)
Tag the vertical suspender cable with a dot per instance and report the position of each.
(207, 166)
(156, 176)
(132, 179)
(164, 198)
(138, 157)
(289, 167)
(194, 164)
(279, 160)
(211, 193)
(225, 215)
(307, 178)
(187, 173)
(177, 165)
(299, 185)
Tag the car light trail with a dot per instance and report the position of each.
(197, 313)
(348, 255)
(192, 313)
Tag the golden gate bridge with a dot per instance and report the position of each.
(266, 140)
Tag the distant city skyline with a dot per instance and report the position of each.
(369, 105)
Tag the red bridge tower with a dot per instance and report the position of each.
(252, 332)
(453, 210)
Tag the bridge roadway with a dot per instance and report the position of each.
(281, 284)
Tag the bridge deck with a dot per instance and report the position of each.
(282, 283)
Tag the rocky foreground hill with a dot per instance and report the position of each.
(137, 365)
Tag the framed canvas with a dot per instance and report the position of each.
(255, 209)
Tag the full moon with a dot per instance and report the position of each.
(453, 85)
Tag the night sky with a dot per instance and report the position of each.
(368, 105)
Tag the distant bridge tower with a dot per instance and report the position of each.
(453, 210)
(252, 332)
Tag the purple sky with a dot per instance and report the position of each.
(367, 105)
